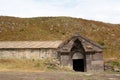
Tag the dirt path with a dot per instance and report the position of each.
(58, 76)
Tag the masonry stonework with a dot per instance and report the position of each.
(81, 54)
(28, 53)
(78, 52)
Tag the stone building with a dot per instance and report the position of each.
(29, 49)
(81, 54)
(78, 52)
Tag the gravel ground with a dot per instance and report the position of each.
(59, 76)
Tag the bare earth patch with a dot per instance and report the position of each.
(59, 76)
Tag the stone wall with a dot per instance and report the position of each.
(94, 62)
(64, 59)
(97, 62)
(28, 53)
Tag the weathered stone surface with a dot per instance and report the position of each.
(97, 62)
(28, 53)
(87, 53)
(116, 69)
(108, 67)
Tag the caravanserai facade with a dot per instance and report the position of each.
(29, 49)
(78, 52)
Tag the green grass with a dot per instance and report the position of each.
(61, 28)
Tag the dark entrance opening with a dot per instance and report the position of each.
(78, 65)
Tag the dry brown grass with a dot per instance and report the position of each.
(60, 28)
(17, 64)
(30, 65)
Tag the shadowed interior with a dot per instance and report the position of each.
(78, 65)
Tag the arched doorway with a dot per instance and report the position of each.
(78, 62)
(78, 56)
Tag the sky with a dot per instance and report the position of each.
(100, 10)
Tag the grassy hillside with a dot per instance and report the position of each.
(60, 28)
